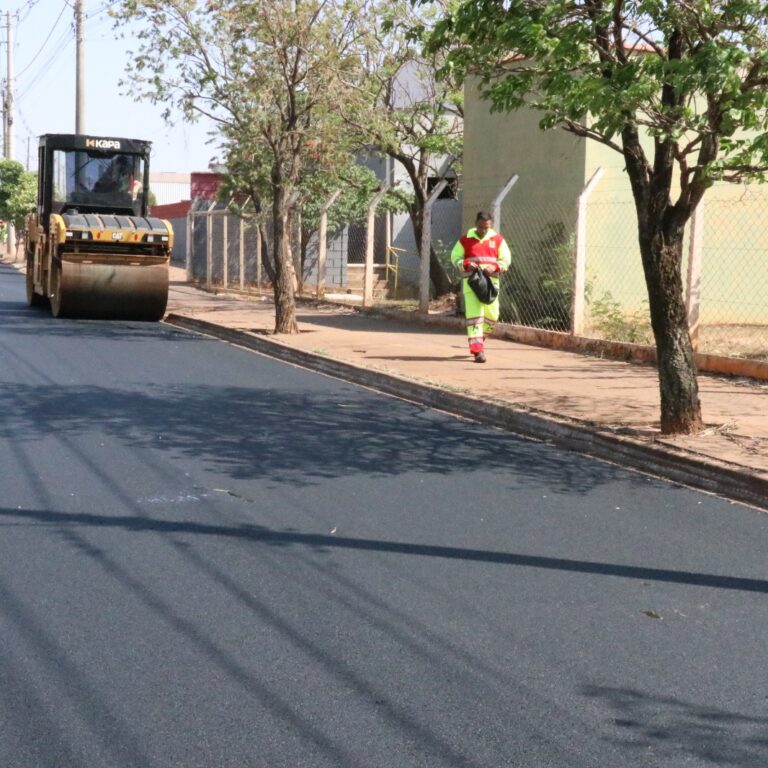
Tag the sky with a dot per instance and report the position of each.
(44, 78)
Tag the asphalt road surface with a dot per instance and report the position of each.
(211, 559)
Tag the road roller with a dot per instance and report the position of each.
(92, 250)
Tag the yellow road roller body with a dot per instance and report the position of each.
(92, 250)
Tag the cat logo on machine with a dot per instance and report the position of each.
(102, 144)
(117, 235)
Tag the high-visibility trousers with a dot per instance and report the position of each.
(480, 317)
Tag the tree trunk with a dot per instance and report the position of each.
(285, 278)
(661, 227)
(306, 239)
(265, 260)
(437, 273)
(680, 404)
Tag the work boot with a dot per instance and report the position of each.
(479, 357)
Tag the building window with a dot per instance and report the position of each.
(450, 192)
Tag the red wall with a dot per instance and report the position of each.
(171, 210)
(204, 186)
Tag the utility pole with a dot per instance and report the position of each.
(10, 147)
(80, 69)
(9, 140)
(5, 118)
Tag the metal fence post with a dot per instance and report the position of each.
(225, 249)
(497, 201)
(693, 282)
(209, 247)
(11, 242)
(425, 247)
(322, 245)
(188, 254)
(580, 265)
(294, 244)
(369, 243)
(258, 257)
(296, 240)
(241, 252)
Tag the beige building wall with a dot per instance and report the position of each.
(614, 270)
(538, 216)
(496, 145)
(734, 286)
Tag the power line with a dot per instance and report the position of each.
(102, 9)
(43, 67)
(24, 122)
(30, 4)
(60, 43)
(96, 26)
(63, 43)
(53, 29)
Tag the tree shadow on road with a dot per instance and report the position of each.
(676, 731)
(313, 430)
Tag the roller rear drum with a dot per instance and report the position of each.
(127, 291)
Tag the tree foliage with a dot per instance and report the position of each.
(297, 89)
(18, 192)
(693, 74)
(356, 184)
(689, 78)
(274, 76)
(409, 115)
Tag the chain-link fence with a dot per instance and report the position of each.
(615, 297)
(724, 268)
(732, 272)
(403, 257)
(725, 272)
(537, 290)
(224, 249)
(575, 268)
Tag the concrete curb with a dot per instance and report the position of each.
(650, 458)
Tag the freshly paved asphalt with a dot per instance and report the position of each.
(601, 407)
(210, 558)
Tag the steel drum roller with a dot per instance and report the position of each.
(132, 290)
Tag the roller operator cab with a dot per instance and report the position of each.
(91, 249)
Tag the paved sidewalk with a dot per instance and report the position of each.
(606, 408)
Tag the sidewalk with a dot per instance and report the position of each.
(601, 407)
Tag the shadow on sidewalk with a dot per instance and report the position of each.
(422, 358)
(344, 319)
